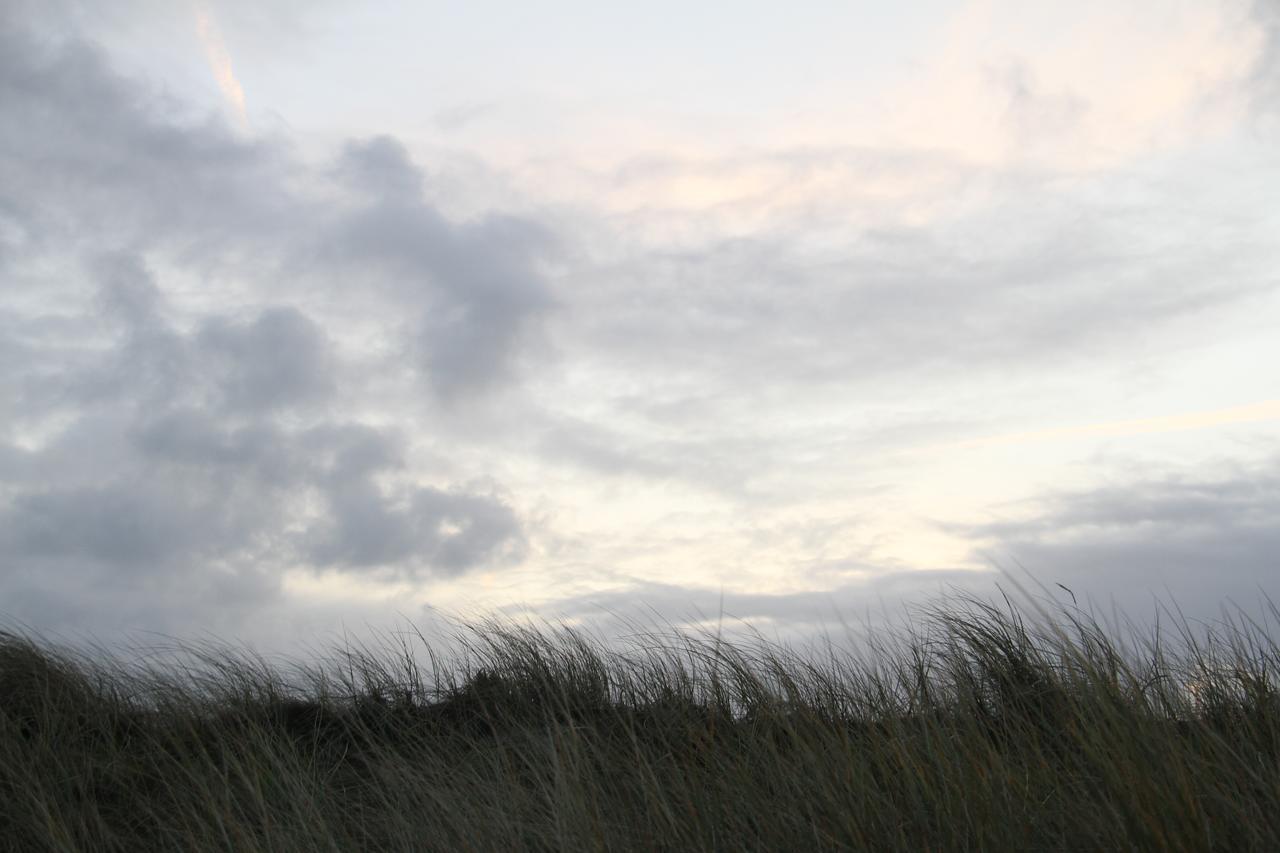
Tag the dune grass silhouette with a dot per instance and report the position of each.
(980, 726)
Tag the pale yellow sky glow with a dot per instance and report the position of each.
(1267, 410)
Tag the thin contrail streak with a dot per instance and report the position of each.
(215, 50)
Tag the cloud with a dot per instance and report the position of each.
(117, 522)
(279, 358)
(460, 115)
(260, 451)
(380, 168)
(96, 162)
(225, 365)
(477, 284)
(275, 358)
(422, 531)
(89, 152)
(1200, 541)
(1072, 277)
(114, 506)
(1266, 70)
(1076, 89)
(174, 447)
(114, 524)
(1141, 550)
(843, 613)
(409, 531)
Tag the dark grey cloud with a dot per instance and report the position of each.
(115, 524)
(260, 450)
(80, 599)
(149, 493)
(272, 358)
(93, 160)
(381, 168)
(478, 282)
(411, 531)
(277, 359)
(352, 453)
(1200, 541)
(153, 362)
(419, 532)
(185, 424)
(164, 483)
(120, 508)
(460, 531)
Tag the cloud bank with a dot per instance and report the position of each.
(246, 383)
(181, 424)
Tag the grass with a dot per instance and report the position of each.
(982, 727)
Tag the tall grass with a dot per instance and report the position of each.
(982, 727)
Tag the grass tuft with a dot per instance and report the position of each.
(982, 726)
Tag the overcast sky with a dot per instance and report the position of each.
(317, 315)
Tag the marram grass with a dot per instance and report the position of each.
(980, 729)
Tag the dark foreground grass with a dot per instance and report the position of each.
(982, 729)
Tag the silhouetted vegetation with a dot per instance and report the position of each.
(982, 728)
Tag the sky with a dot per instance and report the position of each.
(318, 317)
